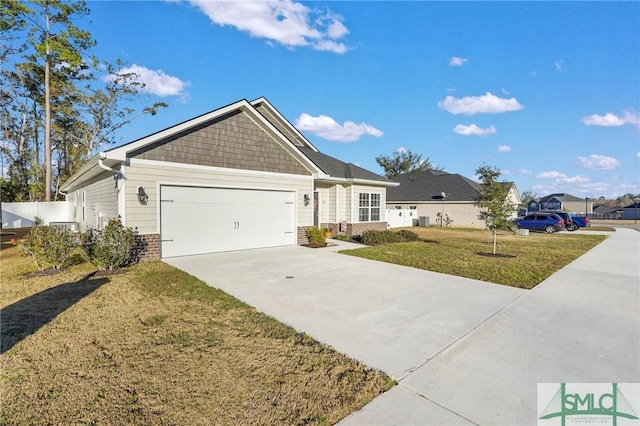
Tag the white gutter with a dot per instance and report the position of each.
(328, 178)
(103, 156)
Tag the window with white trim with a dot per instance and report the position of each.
(368, 207)
(75, 205)
(84, 206)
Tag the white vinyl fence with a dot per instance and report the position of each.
(23, 215)
(398, 218)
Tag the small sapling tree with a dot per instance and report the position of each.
(496, 207)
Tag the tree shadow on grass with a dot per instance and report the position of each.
(27, 316)
(498, 255)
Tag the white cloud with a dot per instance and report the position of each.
(599, 162)
(457, 61)
(632, 118)
(559, 64)
(330, 46)
(610, 119)
(584, 188)
(286, 22)
(327, 128)
(335, 28)
(155, 82)
(473, 130)
(575, 179)
(470, 105)
(504, 148)
(551, 175)
(558, 177)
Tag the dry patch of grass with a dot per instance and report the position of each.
(156, 346)
(459, 252)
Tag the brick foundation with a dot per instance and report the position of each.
(148, 245)
(302, 235)
(147, 248)
(334, 227)
(353, 229)
(358, 228)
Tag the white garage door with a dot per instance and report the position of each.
(207, 220)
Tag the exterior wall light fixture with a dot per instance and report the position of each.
(142, 196)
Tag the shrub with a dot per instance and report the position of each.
(110, 248)
(376, 238)
(316, 236)
(406, 235)
(47, 246)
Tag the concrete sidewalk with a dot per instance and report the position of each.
(463, 351)
(580, 325)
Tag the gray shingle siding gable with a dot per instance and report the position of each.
(276, 122)
(231, 141)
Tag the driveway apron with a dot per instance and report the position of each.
(463, 351)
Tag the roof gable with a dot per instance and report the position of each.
(232, 140)
(562, 197)
(281, 123)
(243, 135)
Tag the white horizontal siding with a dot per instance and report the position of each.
(101, 202)
(151, 175)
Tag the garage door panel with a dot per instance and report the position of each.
(206, 220)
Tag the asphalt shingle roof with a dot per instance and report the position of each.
(336, 168)
(562, 197)
(428, 186)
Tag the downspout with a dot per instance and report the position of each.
(116, 175)
(103, 156)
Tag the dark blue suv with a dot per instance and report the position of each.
(547, 222)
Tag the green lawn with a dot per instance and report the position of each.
(526, 260)
(154, 346)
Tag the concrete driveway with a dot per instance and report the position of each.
(463, 351)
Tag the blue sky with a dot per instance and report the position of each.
(548, 92)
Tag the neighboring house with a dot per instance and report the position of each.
(422, 191)
(561, 201)
(606, 212)
(239, 177)
(631, 211)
